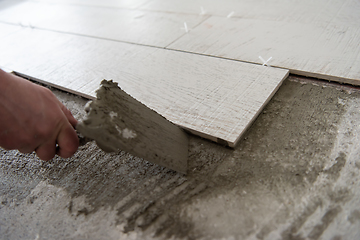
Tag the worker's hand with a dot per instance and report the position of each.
(33, 119)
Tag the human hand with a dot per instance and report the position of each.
(33, 119)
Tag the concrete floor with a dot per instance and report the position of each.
(294, 175)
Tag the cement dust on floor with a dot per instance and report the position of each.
(294, 175)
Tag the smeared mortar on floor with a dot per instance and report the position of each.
(295, 175)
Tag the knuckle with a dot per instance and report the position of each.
(47, 91)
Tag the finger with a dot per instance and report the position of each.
(68, 142)
(25, 150)
(46, 151)
(28, 146)
(68, 115)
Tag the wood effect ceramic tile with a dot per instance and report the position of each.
(302, 11)
(140, 27)
(212, 97)
(132, 4)
(7, 29)
(329, 52)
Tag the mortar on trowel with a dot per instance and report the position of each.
(117, 121)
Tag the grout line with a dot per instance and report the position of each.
(142, 5)
(79, 34)
(139, 44)
(205, 18)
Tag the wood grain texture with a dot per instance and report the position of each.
(300, 11)
(214, 98)
(131, 4)
(7, 30)
(329, 52)
(318, 39)
(312, 38)
(140, 27)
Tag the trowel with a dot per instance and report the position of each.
(118, 122)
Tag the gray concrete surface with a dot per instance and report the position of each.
(294, 175)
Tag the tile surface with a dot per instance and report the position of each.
(127, 25)
(329, 52)
(214, 98)
(131, 4)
